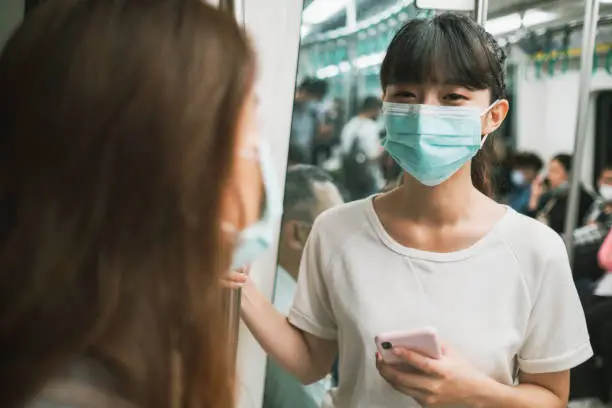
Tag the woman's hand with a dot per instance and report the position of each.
(537, 187)
(236, 279)
(448, 381)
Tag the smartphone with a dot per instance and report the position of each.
(423, 341)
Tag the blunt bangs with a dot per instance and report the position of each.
(448, 49)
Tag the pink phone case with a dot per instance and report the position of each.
(423, 341)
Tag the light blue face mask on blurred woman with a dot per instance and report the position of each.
(431, 143)
(258, 237)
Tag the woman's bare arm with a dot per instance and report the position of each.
(307, 357)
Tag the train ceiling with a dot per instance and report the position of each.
(544, 13)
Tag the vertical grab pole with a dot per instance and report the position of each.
(234, 322)
(589, 32)
(351, 91)
(482, 10)
(235, 7)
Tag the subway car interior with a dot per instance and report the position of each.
(321, 90)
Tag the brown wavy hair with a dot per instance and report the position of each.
(118, 125)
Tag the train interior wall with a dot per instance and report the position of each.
(545, 111)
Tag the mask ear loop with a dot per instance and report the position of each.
(484, 139)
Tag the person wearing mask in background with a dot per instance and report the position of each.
(119, 160)
(549, 196)
(525, 168)
(308, 192)
(598, 311)
(437, 251)
(604, 287)
(306, 121)
(589, 238)
(602, 205)
(361, 150)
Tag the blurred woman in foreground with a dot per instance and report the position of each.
(126, 145)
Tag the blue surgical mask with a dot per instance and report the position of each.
(517, 177)
(430, 142)
(258, 237)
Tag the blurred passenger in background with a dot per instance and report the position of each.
(361, 149)
(525, 168)
(604, 287)
(589, 238)
(603, 202)
(594, 379)
(328, 136)
(306, 120)
(308, 192)
(128, 133)
(549, 196)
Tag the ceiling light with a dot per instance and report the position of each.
(321, 10)
(514, 22)
(305, 30)
(505, 24)
(535, 17)
(370, 60)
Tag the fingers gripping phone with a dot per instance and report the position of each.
(424, 341)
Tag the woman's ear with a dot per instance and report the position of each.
(292, 235)
(496, 116)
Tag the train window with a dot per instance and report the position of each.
(603, 131)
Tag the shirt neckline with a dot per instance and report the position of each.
(460, 254)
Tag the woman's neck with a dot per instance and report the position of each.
(447, 203)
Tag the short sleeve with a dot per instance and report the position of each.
(557, 338)
(311, 310)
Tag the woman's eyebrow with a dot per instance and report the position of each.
(458, 82)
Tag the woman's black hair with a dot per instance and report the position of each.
(565, 160)
(449, 48)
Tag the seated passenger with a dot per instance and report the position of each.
(525, 168)
(604, 286)
(602, 206)
(127, 133)
(589, 238)
(549, 197)
(308, 192)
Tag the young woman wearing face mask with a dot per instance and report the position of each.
(436, 251)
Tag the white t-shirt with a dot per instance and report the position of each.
(367, 131)
(506, 303)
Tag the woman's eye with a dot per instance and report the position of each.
(455, 97)
(405, 94)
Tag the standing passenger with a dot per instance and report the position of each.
(126, 136)
(437, 251)
(306, 120)
(361, 149)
